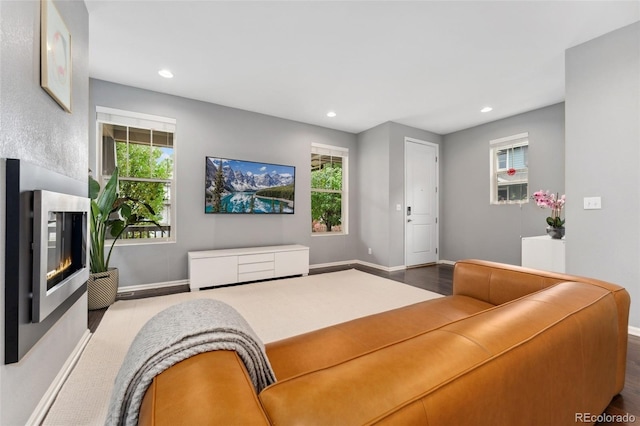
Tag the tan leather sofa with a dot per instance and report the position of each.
(511, 346)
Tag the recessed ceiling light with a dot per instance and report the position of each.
(165, 73)
(486, 109)
(331, 114)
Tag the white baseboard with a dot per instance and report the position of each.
(447, 262)
(382, 268)
(634, 331)
(151, 286)
(330, 264)
(358, 262)
(41, 410)
(397, 268)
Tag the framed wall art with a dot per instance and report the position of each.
(55, 55)
(239, 186)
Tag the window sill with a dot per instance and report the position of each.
(328, 234)
(507, 203)
(141, 242)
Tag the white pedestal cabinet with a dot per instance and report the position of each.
(544, 253)
(210, 268)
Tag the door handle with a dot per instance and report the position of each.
(409, 220)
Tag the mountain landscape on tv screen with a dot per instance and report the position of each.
(234, 186)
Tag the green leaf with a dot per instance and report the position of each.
(108, 196)
(112, 213)
(94, 188)
(125, 211)
(95, 211)
(134, 218)
(556, 222)
(117, 227)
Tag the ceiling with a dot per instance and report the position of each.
(427, 64)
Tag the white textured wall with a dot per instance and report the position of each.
(35, 129)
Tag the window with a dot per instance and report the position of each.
(143, 149)
(509, 169)
(329, 177)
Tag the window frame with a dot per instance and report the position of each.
(105, 115)
(496, 145)
(335, 151)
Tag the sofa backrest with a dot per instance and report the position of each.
(546, 356)
(497, 283)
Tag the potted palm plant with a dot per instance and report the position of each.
(109, 213)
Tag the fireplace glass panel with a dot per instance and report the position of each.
(64, 246)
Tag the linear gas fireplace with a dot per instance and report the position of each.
(46, 251)
(60, 255)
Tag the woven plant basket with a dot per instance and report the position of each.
(102, 289)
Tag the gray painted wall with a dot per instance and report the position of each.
(381, 177)
(207, 129)
(603, 153)
(470, 226)
(373, 201)
(376, 168)
(35, 129)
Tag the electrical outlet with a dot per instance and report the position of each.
(592, 203)
(370, 251)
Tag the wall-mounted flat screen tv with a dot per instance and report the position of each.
(249, 187)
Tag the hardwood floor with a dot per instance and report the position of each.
(439, 279)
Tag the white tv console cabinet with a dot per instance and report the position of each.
(211, 268)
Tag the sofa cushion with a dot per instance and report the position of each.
(331, 345)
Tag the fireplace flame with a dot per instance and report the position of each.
(64, 265)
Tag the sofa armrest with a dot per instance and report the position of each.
(499, 283)
(209, 388)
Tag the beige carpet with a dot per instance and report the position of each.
(275, 309)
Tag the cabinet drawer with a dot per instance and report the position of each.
(253, 276)
(207, 272)
(255, 267)
(256, 258)
(292, 263)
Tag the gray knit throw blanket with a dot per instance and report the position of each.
(177, 333)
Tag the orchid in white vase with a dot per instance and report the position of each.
(555, 202)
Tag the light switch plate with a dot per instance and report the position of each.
(592, 203)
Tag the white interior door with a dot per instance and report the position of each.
(421, 202)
